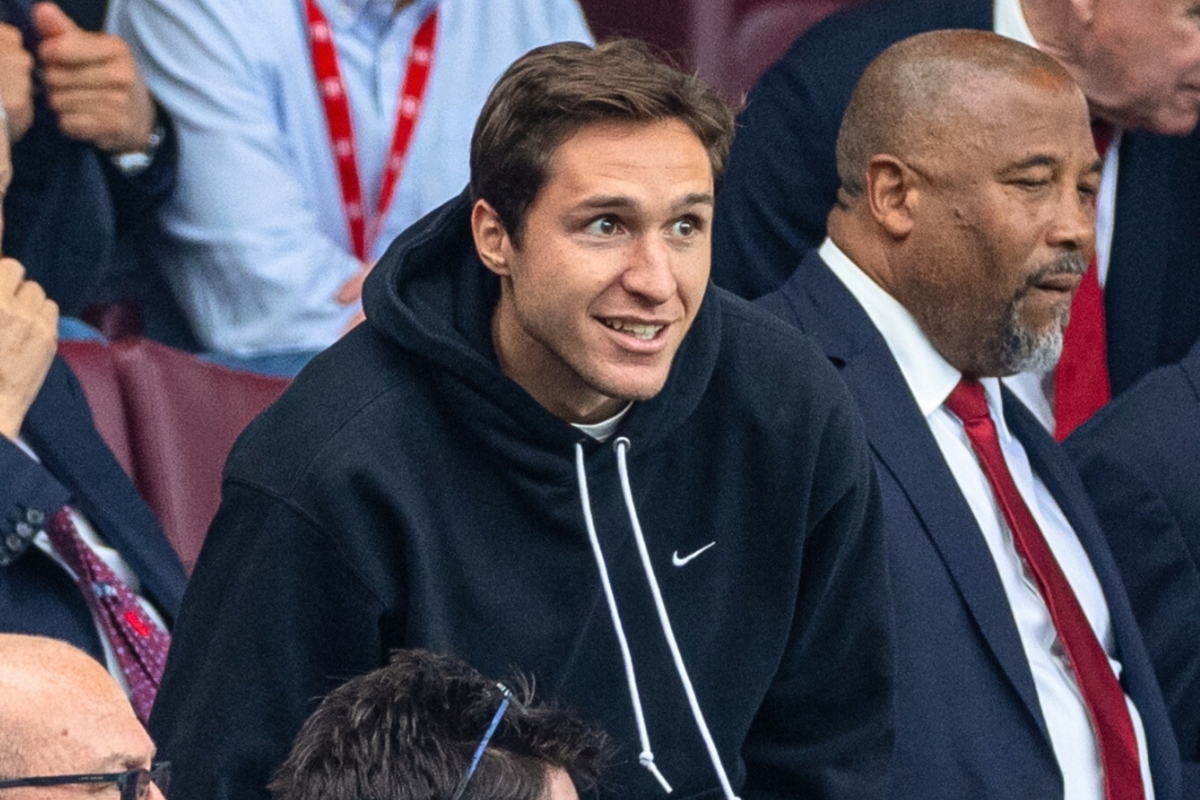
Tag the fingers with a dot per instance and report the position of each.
(16, 81)
(93, 84)
(28, 334)
(12, 273)
(50, 21)
(351, 291)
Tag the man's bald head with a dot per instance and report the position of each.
(62, 713)
(911, 99)
(38, 676)
(969, 181)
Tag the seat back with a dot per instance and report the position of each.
(171, 420)
(184, 416)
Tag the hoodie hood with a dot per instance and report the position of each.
(432, 295)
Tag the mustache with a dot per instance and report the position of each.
(1072, 263)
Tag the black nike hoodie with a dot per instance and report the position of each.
(405, 493)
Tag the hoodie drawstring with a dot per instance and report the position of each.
(646, 757)
(622, 445)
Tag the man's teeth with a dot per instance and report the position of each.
(646, 332)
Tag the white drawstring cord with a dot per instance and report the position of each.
(622, 445)
(646, 757)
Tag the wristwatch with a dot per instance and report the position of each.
(131, 164)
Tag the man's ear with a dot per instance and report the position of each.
(891, 194)
(492, 241)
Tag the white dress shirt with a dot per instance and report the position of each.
(1035, 389)
(931, 378)
(257, 244)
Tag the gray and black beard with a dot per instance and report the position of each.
(1023, 350)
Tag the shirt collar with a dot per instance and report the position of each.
(1009, 20)
(929, 376)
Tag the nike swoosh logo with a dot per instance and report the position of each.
(679, 562)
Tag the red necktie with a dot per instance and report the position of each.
(1102, 694)
(140, 645)
(1081, 384)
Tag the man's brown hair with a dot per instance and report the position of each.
(408, 731)
(552, 92)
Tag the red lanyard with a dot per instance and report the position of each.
(341, 127)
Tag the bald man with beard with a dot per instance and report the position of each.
(963, 224)
(66, 727)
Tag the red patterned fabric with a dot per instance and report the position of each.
(139, 643)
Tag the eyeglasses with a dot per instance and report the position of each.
(133, 783)
(507, 698)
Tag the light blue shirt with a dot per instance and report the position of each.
(257, 244)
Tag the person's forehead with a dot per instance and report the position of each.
(1008, 115)
(597, 146)
(88, 731)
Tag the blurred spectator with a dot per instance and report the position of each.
(429, 727)
(92, 153)
(1138, 62)
(66, 730)
(273, 227)
(1140, 460)
(81, 556)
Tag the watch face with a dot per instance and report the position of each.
(133, 163)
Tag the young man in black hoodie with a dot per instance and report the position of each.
(554, 447)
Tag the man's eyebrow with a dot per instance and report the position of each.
(122, 761)
(617, 201)
(695, 199)
(606, 201)
(1033, 162)
(1041, 160)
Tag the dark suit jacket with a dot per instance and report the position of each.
(968, 722)
(36, 595)
(1140, 460)
(782, 181)
(70, 215)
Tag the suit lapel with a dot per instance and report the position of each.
(60, 430)
(906, 448)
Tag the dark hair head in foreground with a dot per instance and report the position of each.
(409, 731)
(553, 91)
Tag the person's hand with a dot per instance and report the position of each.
(93, 84)
(16, 81)
(351, 292)
(28, 335)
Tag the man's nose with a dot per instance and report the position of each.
(649, 271)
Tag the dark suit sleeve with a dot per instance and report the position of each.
(781, 180)
(26, 484)
(1161, 575)
(136, 196)
(825, 729)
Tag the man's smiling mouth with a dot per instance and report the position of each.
(639, 330)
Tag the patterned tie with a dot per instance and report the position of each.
(140, 645)
(1102, 694)
(1081, 384)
